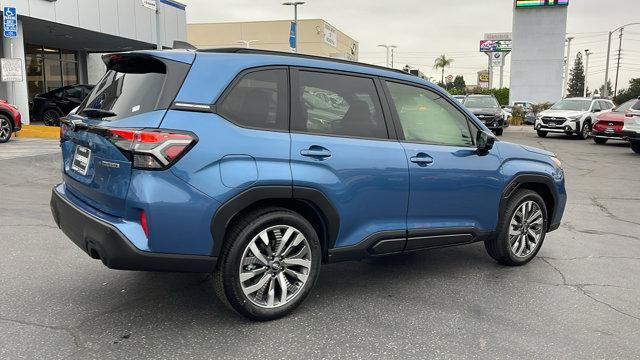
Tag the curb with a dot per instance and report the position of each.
(39, 131)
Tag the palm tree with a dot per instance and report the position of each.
(442, 62)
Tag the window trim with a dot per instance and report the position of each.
(386, 116)
(396, 117)
(241, 75)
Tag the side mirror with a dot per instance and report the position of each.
(484, 141)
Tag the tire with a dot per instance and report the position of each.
(252, 297)
(585, 130)
(514, 250)
(499, 132)
(51, 117)
(542, 133)
(635, 146)
(600, 140)
(6, 129)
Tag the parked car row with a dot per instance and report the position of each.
(571, 116)
(53, 105)
(488, 110)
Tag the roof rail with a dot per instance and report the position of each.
(238, 50)
(183, 45)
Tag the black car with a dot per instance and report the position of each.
(51, 106)
(487, 109)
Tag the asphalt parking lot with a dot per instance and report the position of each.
(579, 299)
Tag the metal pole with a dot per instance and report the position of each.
(392, 53)
(295, 21)
(606, 71)
(387, 63)
(158, 29)
(566, 68)
(586, 72)
(615, 89)
(490, 72)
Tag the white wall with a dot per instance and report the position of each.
(537, 59)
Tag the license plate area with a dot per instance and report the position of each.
(609, 131)
(81, 159)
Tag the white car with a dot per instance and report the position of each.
(571, 116)
(631, 129)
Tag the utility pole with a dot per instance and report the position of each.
(566, 68)
(606, 72)
(295, 20)
(388, 47)
(615, 88)
(393, 50)
(586, 72)
(158, 28)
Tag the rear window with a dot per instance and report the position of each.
(136, 86)
(636, 106)
(481, 102)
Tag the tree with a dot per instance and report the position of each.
(633, 92)
(609, 89)
(442, 62)
(576, 80)
(458, 82)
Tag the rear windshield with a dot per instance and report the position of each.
(136, 86)
(481, 102)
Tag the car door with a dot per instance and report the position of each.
(454, 190)
(340, 145)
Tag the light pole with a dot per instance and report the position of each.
(295, 20)
(158, 29)
(388, 47)
(586, 72)
(606, 72)
(566, 67)
(246, 43)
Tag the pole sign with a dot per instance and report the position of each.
(150, 4)
(292, 35)
(497, 59)
(10, 22)
(11, 70)
(539, 3)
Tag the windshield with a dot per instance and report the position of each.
(625, 106)
(572, 105)
(481, 102)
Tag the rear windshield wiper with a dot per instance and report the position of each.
(97, 113)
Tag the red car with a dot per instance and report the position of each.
(608, 125)
(9, 120)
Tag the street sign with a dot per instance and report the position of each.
(10, 22)
(449, 78)
(150, 4)
(11, 70)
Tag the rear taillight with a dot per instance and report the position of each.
(151, 149)
(143, 223)
(629, 114)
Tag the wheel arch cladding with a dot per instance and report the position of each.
(312, 204)
(543, 185)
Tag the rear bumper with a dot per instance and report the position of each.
(603, 135)
(103, 241)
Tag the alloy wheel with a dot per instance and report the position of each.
(275, 266)
(50, 117)
(585, 131)
(5, 129)
(525, 229)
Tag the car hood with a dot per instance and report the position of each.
(485, 111)
(611, 116)
(538, 150)
(562, 113)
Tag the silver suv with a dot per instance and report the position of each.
(571, 116)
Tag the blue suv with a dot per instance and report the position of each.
(260, 166)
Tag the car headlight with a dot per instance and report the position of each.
(574, 118)
(557, 162)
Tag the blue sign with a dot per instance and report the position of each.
(292, 35)
(10, 20)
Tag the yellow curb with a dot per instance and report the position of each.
(39, 131)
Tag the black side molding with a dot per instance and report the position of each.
(522, 180)
(314, 197)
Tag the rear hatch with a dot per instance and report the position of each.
(129, 101)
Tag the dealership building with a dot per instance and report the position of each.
(315, 37)
(59, 42)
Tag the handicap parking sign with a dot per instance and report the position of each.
(10, 22)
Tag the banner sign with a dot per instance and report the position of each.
(495, 45)
(539, 3)
(292, 35)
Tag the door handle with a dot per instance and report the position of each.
(422, 159)
(317, 152)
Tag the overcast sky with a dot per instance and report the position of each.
(423, 29)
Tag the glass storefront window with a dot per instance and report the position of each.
(48, 68)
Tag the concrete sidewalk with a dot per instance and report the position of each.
(23, 147)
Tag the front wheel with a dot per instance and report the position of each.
(542, 133)
(521, 230)
(635, 146)
(269, 264)
(585, 130)
(600, 141)
(5, 129)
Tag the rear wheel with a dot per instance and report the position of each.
(5, 129)
(601, 141)
(521, 230)
(51, 117)
(269, 264)
(635, 146)
(542, 133)
(585, 130)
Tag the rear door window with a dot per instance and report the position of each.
(258, 100)
(341, 105)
